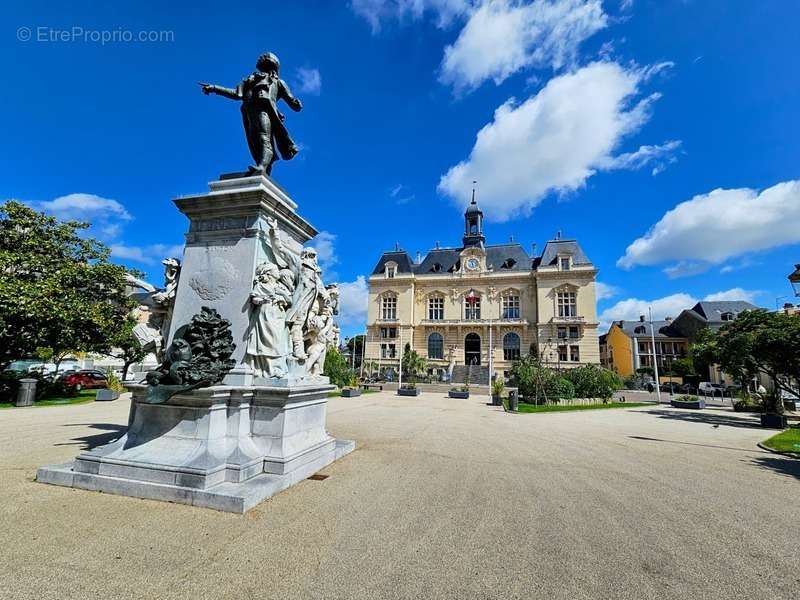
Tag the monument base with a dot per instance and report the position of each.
(223, 447)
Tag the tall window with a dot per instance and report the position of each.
(574, 332)
(435, 345)
(388, 332)
(436, 308)
(574, 354)
(564, 262)
(388, 351)
(511, 307)
(389, 308)
(472, 308)
(562, 353)
(567, 306)
(511, 346)
(562, 333)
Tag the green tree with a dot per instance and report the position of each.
(124, 345)
(58, 289)
(536, 383)
(759, 342)
(591, 381)
(336, 368)
(413, 364)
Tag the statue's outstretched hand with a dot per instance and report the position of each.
(206, 87)
(272, 223)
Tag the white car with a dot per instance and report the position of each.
(711, 389)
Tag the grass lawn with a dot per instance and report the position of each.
(82, 397)
(785, 441)
(537, 408)
(338, 393)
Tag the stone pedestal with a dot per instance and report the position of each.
(222, 447)
(228, 237)
(229, 446)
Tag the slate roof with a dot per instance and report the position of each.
(570, 247)
(404, 264)
(712, 311)
(663, 329)
(513, 255)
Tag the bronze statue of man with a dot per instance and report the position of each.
(263, 123)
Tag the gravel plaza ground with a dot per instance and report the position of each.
(442, 498)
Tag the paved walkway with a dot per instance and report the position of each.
(441, 499)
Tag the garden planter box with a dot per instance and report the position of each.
(458, 394)
(350, 392)
(408, 392)
(106, 395)
(771, 421)
(497, 400)
(699, 403)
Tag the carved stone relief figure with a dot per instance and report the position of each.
(268, 341)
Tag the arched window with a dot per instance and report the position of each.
(511, 346)
(435, 346)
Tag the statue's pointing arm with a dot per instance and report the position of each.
(285, 93)
(281, 257)
(233, 94)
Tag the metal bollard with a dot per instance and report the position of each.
(513, 401)
(26, 393)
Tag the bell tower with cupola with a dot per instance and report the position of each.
(473, 224)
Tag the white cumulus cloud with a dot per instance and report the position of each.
(353, 303)
(502, 37)
(736, 293)
(149, 255)
(605, 290)
(714, 227)
(376, 12)
(554, 141)
(309, 81)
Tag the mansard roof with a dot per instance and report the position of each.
(554, 248)
(400, 257)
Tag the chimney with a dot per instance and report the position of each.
(419, 257)
(641, 318)
(668, 319)
(533, 249)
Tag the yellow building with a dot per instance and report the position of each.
(628, 346)
(483, 305)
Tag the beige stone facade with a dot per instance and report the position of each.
(484, 304)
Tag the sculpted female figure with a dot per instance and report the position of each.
(268, 343)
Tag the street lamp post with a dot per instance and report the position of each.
(794, 279)
(655, 360)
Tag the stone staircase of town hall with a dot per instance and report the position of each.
(478, 375)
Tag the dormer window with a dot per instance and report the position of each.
(436, 268)
(391, 270)
(640, 329)
(727, 316)
(564, 263)
(508, 263)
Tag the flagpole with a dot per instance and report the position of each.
(655, 361)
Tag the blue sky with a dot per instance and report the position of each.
(662, 134)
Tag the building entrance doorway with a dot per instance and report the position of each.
(472, 349)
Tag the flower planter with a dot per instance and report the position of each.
(350, 392)
(772, 421)
(458, 394)
(408, 392)
(497, 400)
(695, 404)
(106, 395)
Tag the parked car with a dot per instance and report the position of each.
(86, 379)
(711, 389)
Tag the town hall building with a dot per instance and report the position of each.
(484, 305)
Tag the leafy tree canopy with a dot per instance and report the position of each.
(58, 289)
(758, 341)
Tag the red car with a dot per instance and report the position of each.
(86, 380)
